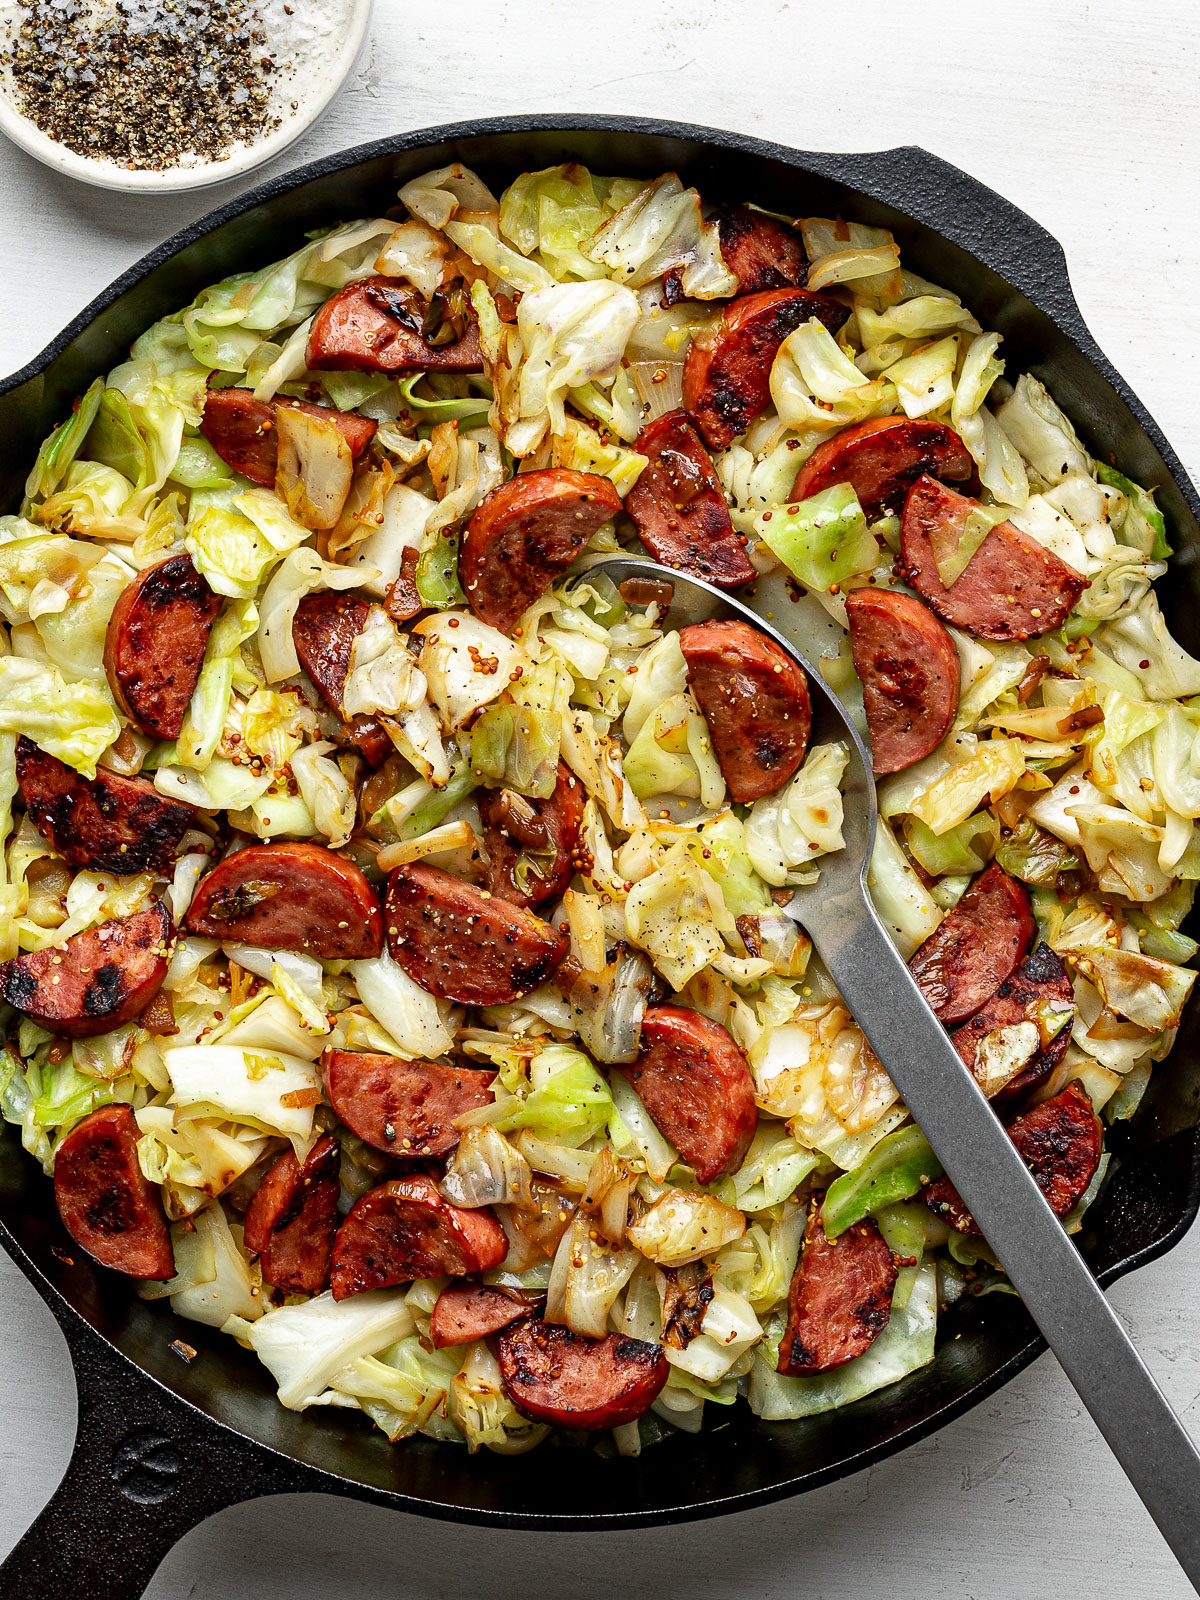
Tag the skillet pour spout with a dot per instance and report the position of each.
(164, 1441)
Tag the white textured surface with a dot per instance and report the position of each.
(1088, 116)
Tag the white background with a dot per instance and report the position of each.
(1087, 116)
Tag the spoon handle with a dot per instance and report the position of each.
(1046, 1269)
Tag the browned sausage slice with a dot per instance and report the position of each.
(463, 944)
(882, 458)
(324, 629)
(840, 1297)
(976, 947)
(102, 824)
(242, 430)
(155, 644)
(405, 1230)
(1060, 1143)
(910, 675)
(1012, 587)
(404, 1107)
(108, 1206)
(375, 325)
(532, 843)
(695, 1083)
(679, 508)
(466, 1311)
(727, 372)
(760, 251)
(293, 1217)
(1041, 981)
(525, 534)
(289, 897)
(755, 701)
(556, 1376)
(99, 979)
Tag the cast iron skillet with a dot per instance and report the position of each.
(162, 1444)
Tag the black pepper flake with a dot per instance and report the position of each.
(148, 84)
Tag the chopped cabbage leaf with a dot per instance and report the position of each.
(823, 540)
(74, 721)
(305, 1346)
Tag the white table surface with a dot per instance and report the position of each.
(1088, 116)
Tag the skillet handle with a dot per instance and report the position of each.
(979, 219)
(145, 1470)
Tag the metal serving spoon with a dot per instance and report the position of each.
(1050, 1275)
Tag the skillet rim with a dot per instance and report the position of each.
(1047, 287)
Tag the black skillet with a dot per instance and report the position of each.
(162, 1444)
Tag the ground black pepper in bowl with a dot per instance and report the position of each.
(147, 84)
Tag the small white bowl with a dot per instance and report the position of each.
(323, 62)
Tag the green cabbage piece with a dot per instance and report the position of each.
(74, 721)
(63, 445)
(141, 442)
(198, 466)
(720, 849)
(437, 575)
(473, 407)
(967, 847)
(569, 1100)
(165, 343)
(36, 565)
(204, 720)
(515, 747)
(822, 540)
(438, 805)
(1143, 525)
(46, 1099)
(896, 1169)
(550, 214)
(1033, 855)
(907, 909)
(235, 546)
(349, 390)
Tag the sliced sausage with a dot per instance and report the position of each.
(1040, 981)
(406, 1108)
(727, 371)
(108, 1206)
(324, 629)
(755, 701)
(1060, 1143)
(976, 947)
(466, 1311)
(525, 534)
(463, 944)
(760, 251)
(840, 1297)
(103, 824)
(556, 1376)
(695, 1083)
(378, 325)
(910, 675)
(680, 511)
(1012, 587)
(405, 1230)
(289, 897)
(882, 458)
(293, 1217)
(99, 979)
(155, 644)
(532, 843)
(242, 430)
